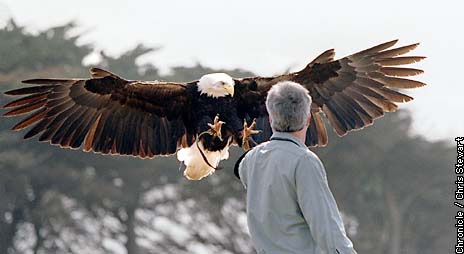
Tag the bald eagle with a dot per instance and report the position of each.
(201, 119)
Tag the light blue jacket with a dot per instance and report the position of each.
(290, 208)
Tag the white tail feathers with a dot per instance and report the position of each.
(196, 167)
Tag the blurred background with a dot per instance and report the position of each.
(392, 181)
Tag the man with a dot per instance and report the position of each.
(290, 208)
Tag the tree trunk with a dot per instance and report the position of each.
(396, 221)
(38, 238)
(131, 245)
(6, 237)
(9, 232)
(35, 213)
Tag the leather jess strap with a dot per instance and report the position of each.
(243, 155)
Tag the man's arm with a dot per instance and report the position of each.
(319, 207)
(239, 169)
(237, 164)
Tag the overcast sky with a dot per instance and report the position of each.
(269, 37)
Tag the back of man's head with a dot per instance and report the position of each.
(289, 106)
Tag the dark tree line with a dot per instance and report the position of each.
(391, 186)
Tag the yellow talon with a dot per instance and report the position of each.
(247, 132)
(215, 128)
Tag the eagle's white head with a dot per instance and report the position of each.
(216, 85)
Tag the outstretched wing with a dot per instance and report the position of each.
(106, 114)
(351, 92)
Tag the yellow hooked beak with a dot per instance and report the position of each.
(230, 89)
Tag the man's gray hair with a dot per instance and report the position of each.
(289, 106)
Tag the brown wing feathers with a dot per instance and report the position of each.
(107, 115)
(110, 115)
(355, 90)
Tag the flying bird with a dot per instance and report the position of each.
(201, 119)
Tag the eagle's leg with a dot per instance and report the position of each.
(247, 132)
(215, 128)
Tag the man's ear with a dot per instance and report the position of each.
(270, 120)
(309, 120)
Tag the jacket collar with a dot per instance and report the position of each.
(287, 135)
